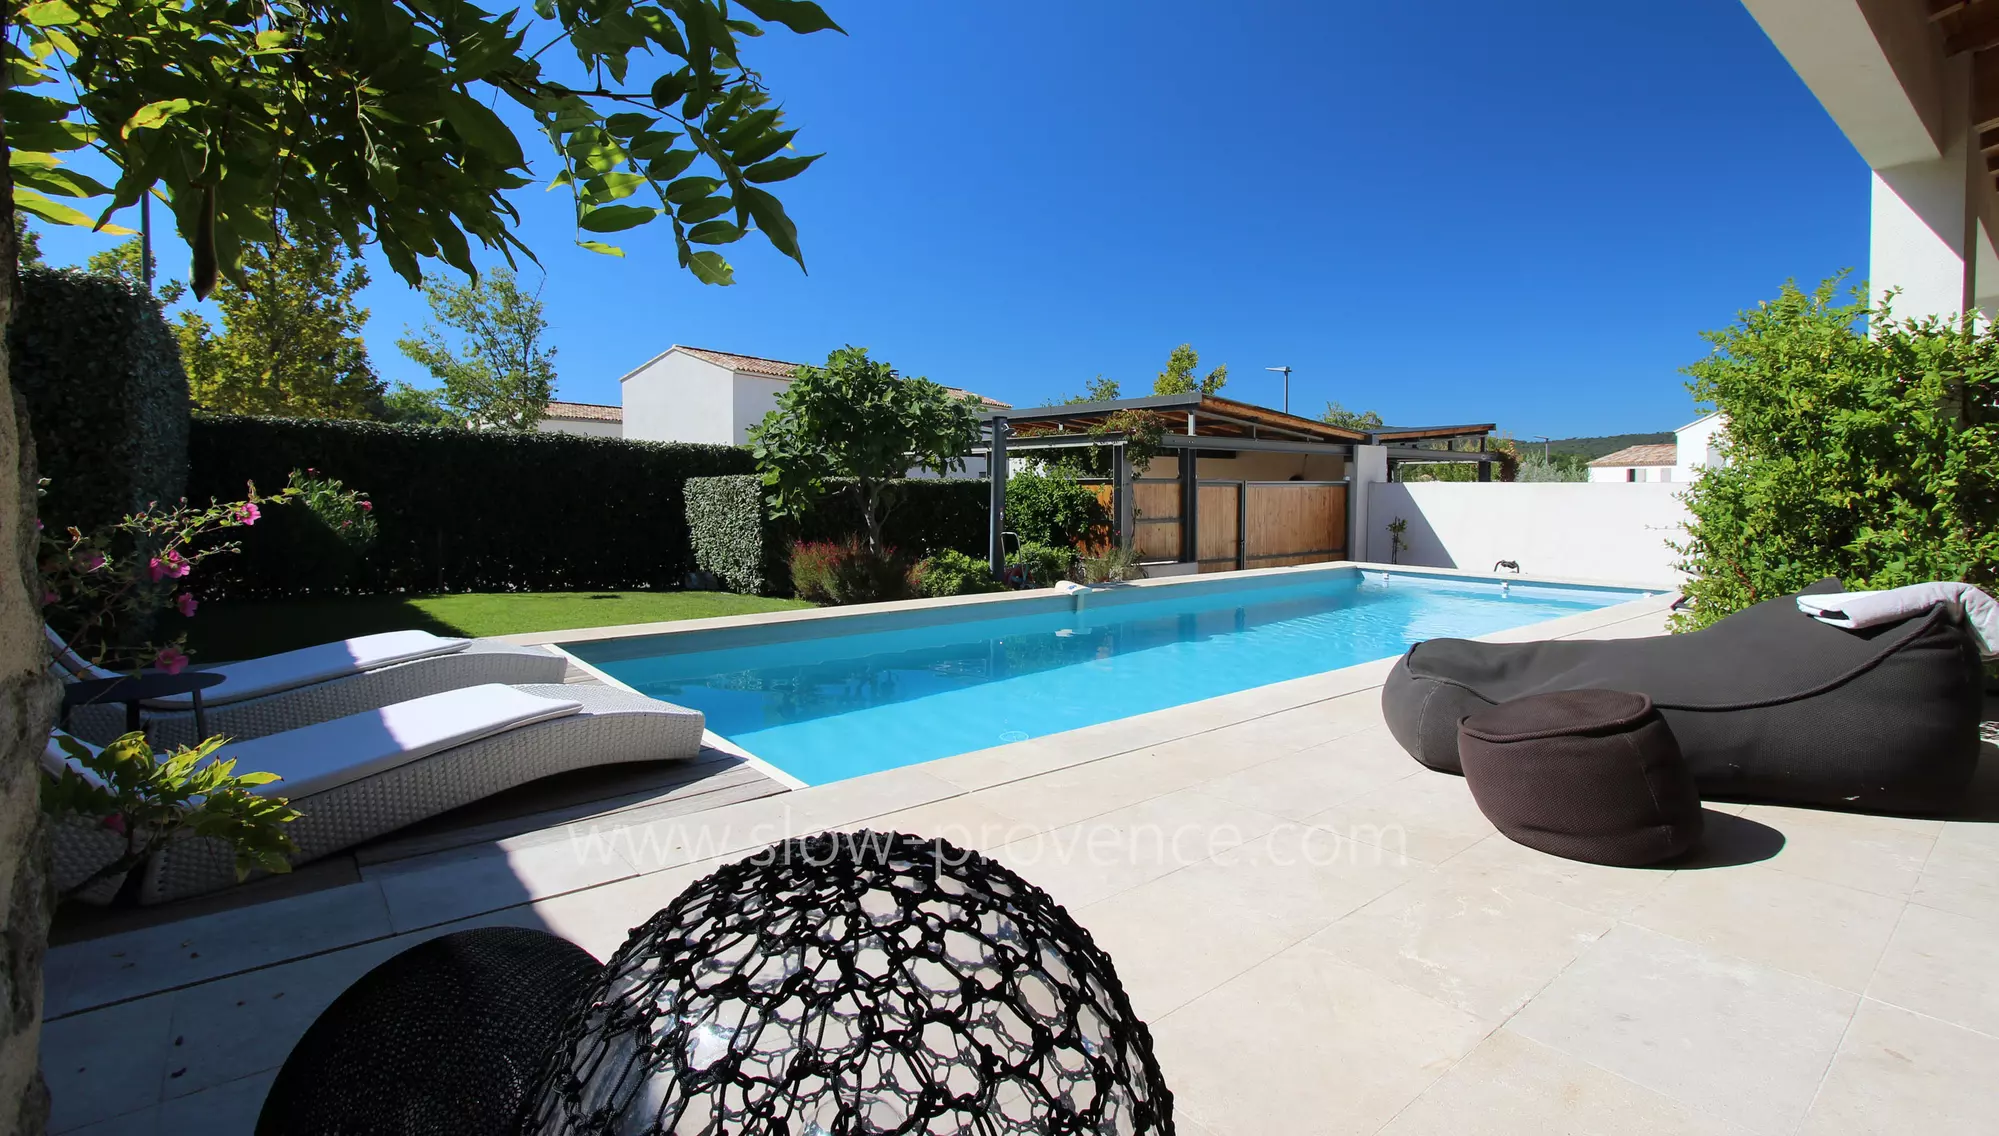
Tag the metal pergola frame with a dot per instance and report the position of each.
(1001, 443)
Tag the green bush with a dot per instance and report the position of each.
(107, 400)
(1114, 566)
(467, 510)
(733, 536)
(953, 573)
(1856, 446)
(324, 535)
(847, 572)
(1052, 508)
(1046, 564)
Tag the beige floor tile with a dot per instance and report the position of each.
(1819, 930)
(1898, 1072)
(106, 1063)
(736, 830)
(1431, 816)
(1092, 860)
(1962, 874)
(429, 890)
(116, 967)
(1065, 796)
(1883, 855)
(1499, 862)
(599, 919)
(1510, 1086)
(1304, 1043)
(1743, 1041)
(966, 822)
(1943, 965)
(1300, 785)
(1186, 933)
(145, 1122)
(225, 1110)
(1482, 948)
(234, 1027)
(1315, 724)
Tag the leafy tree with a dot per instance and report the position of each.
(238, 110)
(406, 405)
(856, 418)
(1337, 415)
(1178, 377)
(501, 376)
(1100, 389)
(27, 244)
(1052, 508)
(291, 341)
(1856, 446)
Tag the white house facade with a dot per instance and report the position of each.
(1914, 85)
(1650, 462)
(590, 418)
(1697, 446)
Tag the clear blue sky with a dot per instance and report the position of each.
(1452, 211)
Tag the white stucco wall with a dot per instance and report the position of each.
(1618, 474)
(1697, 445)
(594, 427)
(754, 396)
(1614, 533)
(679, 398)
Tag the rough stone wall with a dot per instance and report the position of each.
(27, 709)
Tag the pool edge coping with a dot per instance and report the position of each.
(665, 628)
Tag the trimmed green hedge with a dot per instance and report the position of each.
(735, 538)
(107, 399)
(462, 510)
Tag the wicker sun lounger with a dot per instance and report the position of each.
(368, 774)
(316, 684)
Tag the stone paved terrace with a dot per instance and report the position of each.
(1338, 942)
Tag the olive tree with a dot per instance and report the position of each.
(857, 419)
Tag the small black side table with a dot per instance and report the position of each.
(134, 689)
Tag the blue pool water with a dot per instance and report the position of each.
(829, 706)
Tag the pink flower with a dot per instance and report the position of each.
(92, 562)
(172, 565)
(367, 506)
(115, 822)
(170, 660)
(247, 513)
(185, 602)
(49, 597)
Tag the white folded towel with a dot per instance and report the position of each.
(1856, 610)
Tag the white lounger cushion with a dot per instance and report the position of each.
(313, 759)
(254, 678)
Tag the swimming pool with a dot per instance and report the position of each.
(827, 699)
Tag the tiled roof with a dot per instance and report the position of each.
(779, 369)
(1657, 453)
(592, 411)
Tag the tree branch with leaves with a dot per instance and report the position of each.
(375, 120)
(500, 375)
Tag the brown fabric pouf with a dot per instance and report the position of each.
(1589, 775)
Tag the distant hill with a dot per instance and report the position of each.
(1590, 449)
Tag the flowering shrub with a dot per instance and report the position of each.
(102, 590)
(150, 801)
(348, 515)
(847, 572)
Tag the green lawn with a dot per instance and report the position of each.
(242, 629)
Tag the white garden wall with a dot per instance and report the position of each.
(1611, 532)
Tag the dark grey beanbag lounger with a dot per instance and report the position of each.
(1767, 704)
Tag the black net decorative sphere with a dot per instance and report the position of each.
(441, 1040)
(855, 984)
